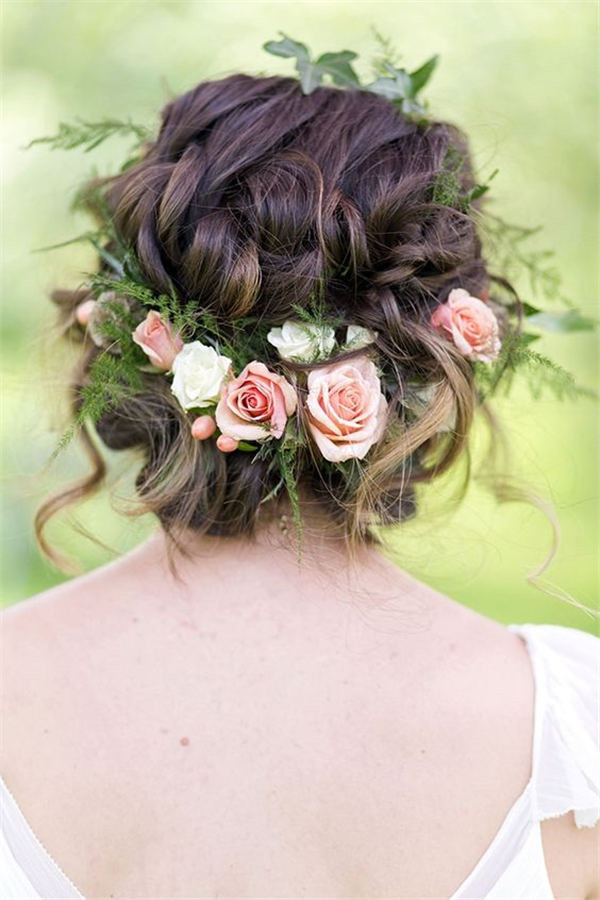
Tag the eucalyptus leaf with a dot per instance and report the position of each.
(562, 323)
(337, 66)
(310, 75)
(410, 106)
(398, 89)
(530, 310)
(395, 84)
(401, 79)
(421, 76)
(287, 47)
(385, 87)
(106, 256)
(480, 189)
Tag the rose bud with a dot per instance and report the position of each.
(158, 341)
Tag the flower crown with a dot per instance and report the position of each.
(229, 385)
(345, 406)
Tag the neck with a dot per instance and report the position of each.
(319, 539)
(267, 569)
(322, 559)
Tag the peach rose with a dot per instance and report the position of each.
(158, 341)
(346, 408)
(256, 405)
(470, 323)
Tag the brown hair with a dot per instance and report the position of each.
(252, 196)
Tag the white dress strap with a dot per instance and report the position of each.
(27, 871)
(566, 753)
(565, 765)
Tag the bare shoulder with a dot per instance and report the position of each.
(60, 633)
(62, 648)
(68, 716)
(50, 646)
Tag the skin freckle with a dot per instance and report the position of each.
(184, 741)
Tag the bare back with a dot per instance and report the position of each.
(268, 731)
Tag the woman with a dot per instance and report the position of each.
(291, 324)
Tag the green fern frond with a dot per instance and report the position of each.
(287, 454)
(539, 372)
(386, 54)
(316, 312)
(504, 244)
(446, 188)
(89, 135)
(542, 373)
(111, 379)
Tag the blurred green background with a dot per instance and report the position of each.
(520, 78)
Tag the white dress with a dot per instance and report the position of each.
(565, 776)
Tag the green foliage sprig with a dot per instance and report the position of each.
(505, 242)
(89, 135)
(396, 84)
(316, 312)
(446, 188)
(183, 318)
(539, 372)
(283, 459)
(110, 380)
(505, 245)
(338, 66)
(287, 456)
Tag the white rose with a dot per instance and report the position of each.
(301, 340)
(357, 336)
(198, 373)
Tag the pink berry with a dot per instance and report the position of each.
(226, 444)
(203, 427)
(84, 311)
